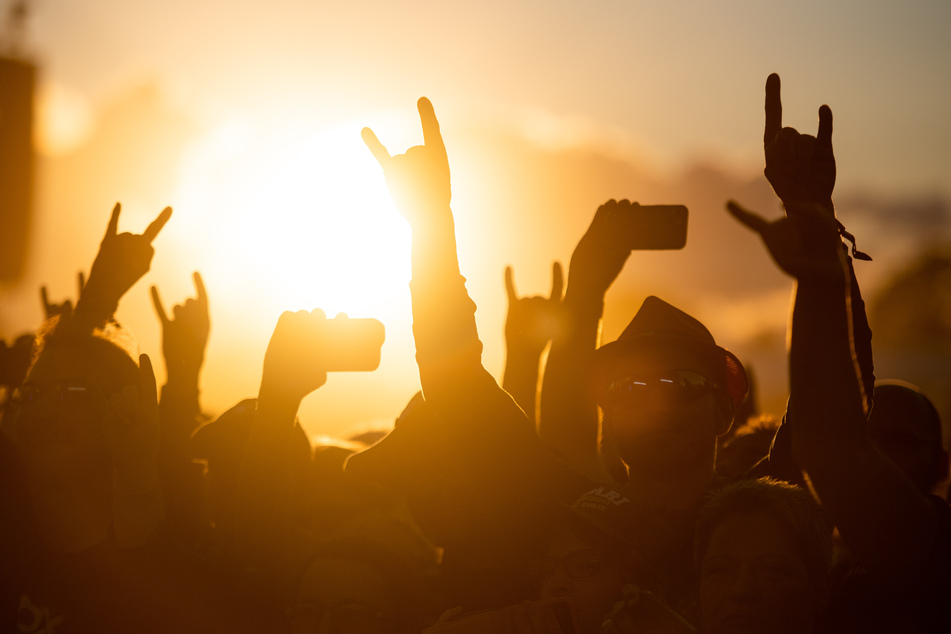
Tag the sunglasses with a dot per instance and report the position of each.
(578, 565)
(681, 386)
(29, 395)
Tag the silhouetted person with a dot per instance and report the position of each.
(900, 536)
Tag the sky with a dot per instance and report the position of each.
(245, 117)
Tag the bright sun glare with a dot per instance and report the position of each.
(301, 215)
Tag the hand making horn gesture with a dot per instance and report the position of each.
(533, 321)
(800, 167)
(123, 259)
(185, 335)
(419, 179)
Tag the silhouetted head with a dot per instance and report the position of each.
(589, 567)
(906, 427)
(667, 390)
(764, 552)
(57, 426)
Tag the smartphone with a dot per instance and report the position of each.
(654, 227)
(351, 345)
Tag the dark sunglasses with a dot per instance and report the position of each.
(578, 565)
(682, 386)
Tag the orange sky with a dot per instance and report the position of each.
(245, 118)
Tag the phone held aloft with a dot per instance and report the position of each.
(351, 345)
(654, 227)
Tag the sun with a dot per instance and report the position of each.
(300, 214)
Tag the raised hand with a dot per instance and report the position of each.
(800, 167)
(419, 179)
(601, 252)
(185, 336)
(532, 321)
(123, 259)
(292, 368)
(66, 308)
(804, 244)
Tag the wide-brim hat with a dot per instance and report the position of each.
(660, 326)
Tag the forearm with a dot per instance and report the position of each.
(826, 399)
(888, 525)
(568, 421)
(180, 411)
(448, 350)
(520, 378)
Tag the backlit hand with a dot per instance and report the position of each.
(123, 259)
(800, 167)
(419, 179)
(185, 336)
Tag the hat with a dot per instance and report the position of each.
(658, 325)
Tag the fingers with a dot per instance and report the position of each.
(46, 301)
(824, 136)
(113, 227)
(153, 229)
(748, 218)
(557, 282)
(147, 386)
(378, 150)
(774, 109)
(159, 308)
(200, 289)
(510, 285)
(427, 116)
(82, 283)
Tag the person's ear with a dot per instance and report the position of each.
(724, 413)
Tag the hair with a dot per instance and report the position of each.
(112, 348)
(793, 506)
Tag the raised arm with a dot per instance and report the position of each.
(184, 339)
(888, 525)
(122, 260)
(530, 324)
(568, 422)
(448, 350)
(277, 453)
(801, 169)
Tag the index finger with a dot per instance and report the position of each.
(200, 289)
(46, 300)
(427, 116)
(824, 135)
(774, 109)
(153, 229)
(557, 282)
(147, 389)
(113, 227)
(159, 308)
(510, 285)
(378, 150)
(748, 218)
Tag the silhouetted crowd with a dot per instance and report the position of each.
(622, 488)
